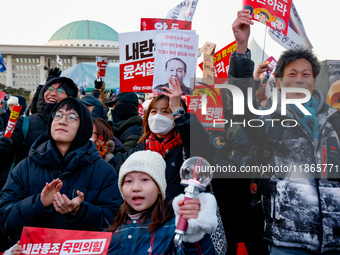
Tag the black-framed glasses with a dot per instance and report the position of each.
(59, 90)
(70, 118)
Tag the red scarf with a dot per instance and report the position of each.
(164, 147)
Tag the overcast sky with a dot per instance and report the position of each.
(34, 22)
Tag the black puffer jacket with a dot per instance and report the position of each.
(37, 126)
(80, 169)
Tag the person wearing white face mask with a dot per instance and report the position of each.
(167, 129)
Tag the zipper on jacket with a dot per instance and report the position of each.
(320, 213)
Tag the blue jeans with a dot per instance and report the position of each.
(275, 250)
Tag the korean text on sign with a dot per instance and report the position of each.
(70, 247)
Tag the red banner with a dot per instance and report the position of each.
(214, 106)
(272, 13)
(221, 62)
(137, 76)
(102, 64)
(64, 242)
(15, 113)
(164, 24)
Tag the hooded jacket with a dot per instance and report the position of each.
(302, 210)
(80, 169)
(37, 126)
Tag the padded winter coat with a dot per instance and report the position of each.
(302, 207)
(82, 169)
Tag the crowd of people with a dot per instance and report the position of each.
(91, 162)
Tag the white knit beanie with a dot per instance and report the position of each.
(13, 100)
(149, 162)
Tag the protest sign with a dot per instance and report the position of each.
(175, 56)
(271, 61)
(64, 242)
(183, 11)
(15, 113)
(296, 34)
(102, 64)
(214, 106)
(221, 62)
(272, 13)
(208, 50)
(136, 56)
(164, 24)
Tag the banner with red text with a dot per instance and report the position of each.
(175, 56)
(164, 24)
(221, 62)
(63, 242)
(296, 34)
(214, 106)
(272, 13)
(102, 64)
(136, 57)
(15, 113)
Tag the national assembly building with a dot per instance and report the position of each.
(79, 41)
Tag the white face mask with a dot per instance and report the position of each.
(160, 124)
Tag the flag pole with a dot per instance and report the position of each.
(264, 43)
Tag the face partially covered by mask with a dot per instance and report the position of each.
(160, 124)
(160, 118)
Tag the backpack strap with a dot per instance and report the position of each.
(25, 125)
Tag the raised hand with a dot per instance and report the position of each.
(241, 30)
(62, 204)
(174, 95)
(48, 192)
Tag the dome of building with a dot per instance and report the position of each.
(85, 33)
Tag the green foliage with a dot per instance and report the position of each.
(16, 91)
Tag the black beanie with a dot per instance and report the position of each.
(85, 127)
(44, 109)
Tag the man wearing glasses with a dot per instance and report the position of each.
(18, 147)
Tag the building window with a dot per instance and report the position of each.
(33, 68)
(77, 44)
(96, 45)
(17, 60)
(84, 44)
(25, 67)
(21, 68)
(29, 76)
(17, 75)
(37, 75)
(29, 60)
(33, 60)
(21, 60)
(90, 44)
(13, 75)
(13, 83)
(25, 76)
(29, 68)
(25, 60)
(37, 60)
(21, 75)
(71, 44)
(17, 68)
(69, 61)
